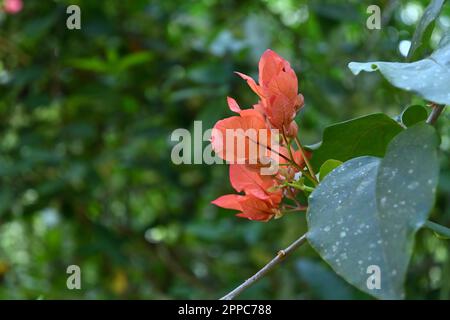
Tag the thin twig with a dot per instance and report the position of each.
(268, 267)
(298, 209)
(281, 155)
(305, 158)
(292, 196)
(435, 113)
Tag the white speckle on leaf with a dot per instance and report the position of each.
(413, 185)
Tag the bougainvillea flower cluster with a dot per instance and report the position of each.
(262, 195)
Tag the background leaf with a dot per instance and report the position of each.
(327, 167)
(367, 211)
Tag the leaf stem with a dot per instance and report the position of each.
(308, 165)
(439, 229)
(306, 174)
(300, 187)
(288, 144)
(298, 209)
(281, 255)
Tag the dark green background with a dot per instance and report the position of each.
(85, 123)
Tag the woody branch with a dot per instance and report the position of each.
(281, 255)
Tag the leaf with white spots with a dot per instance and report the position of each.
(430, 14)
(367, 211)
(428, 77)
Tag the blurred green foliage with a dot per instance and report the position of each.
(85, 123)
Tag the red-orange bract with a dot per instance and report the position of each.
(227, 146)
(258, 203)
(278, 91)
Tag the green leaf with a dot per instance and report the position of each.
(134, 59)
(429, 15)
(327, 167)
(89, 64)
(367, 211)
(414, 114)
(364, 136)
(429, 77)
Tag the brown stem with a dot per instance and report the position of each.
(435, 113)
(268, 267)
(281, 155)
